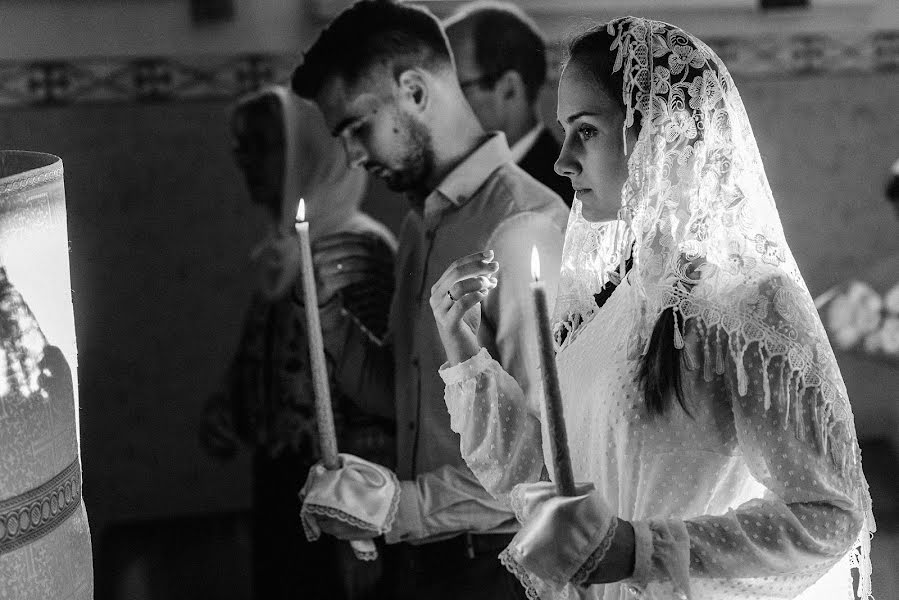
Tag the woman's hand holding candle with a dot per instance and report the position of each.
(455, 302)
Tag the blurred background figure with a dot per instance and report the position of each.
(501, 63)
(284, 151)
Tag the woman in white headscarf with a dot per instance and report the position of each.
(285, 151)
(704, 407)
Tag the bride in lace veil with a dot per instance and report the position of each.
(704, 404)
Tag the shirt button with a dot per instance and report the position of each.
(415, 361)
(411, 425)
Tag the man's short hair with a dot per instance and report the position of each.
(505, 39)
(372, 33)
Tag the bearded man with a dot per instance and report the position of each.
(384, 77)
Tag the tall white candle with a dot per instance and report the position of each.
(555, 420)
(323, 412)
(324, 415)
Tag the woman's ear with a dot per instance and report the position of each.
(413, 89)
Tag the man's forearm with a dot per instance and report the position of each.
(445, 501)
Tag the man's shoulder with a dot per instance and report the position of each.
(519, 192)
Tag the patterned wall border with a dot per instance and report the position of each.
(157, 79)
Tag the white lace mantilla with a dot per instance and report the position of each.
(759, 492)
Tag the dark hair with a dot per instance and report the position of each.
(659, 373)
(592, 49)
(505, 39)
(892, 189)
(369, 34)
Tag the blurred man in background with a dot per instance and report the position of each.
(501, 63)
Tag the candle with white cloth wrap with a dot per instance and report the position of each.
(555, 421)
(324, 414)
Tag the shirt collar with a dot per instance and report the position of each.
(461, 183)
(522, 146)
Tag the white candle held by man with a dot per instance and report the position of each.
(323, 413)
(555, 421)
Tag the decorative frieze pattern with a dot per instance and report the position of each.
(36, 513)
(167, 79)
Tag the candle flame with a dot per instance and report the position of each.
(301, 211)
(535, 263)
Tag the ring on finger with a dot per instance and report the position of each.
(450, 294)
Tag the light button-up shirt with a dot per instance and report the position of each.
(486, 202)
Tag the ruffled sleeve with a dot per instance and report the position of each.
(500, 434)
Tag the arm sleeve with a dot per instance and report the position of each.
(802, 449)
(500, 434)
(363, 368)
(443, 502)
(494, 405)
(497, 421)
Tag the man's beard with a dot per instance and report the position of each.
(417, 164)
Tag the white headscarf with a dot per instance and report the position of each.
(315, 168)
(708, 242)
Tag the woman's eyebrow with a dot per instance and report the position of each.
(583, 113)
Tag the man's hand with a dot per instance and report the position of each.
(359, 492)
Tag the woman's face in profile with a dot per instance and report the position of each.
(592, 154)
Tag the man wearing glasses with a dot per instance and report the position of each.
(501, 63)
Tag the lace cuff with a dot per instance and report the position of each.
(662, 556)
(468, 369)
(408, 523)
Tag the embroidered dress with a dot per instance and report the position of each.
(758, 492)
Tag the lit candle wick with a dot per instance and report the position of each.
(301, 211)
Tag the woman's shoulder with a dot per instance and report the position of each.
(770, 296)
